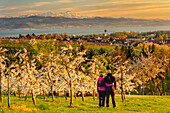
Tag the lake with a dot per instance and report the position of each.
(80, 31)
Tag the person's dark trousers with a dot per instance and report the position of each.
(102, 98)
(113, 98)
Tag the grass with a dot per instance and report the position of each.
(132, 105)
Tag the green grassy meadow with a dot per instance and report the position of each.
(151, 104)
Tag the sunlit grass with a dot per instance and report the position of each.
(132, 104)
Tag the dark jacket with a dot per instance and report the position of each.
(109, 79)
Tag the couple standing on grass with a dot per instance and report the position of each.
(105, 87)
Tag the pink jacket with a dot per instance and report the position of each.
(102, 88)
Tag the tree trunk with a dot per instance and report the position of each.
(160, 93)
(52, 92)
(139, 88)
(49, 94)
(71, 91)
(65, 95)
(122, 91)
(44, 94)
(124, 96)
(9, 90)
(19, 91)
(97, 95)
(94, 95)
(82, 94)
(155, 86)
(15, 94)
(163, 88)
(151, 87)
(143, 91)
(33, 98)
(1, 99)
(75, 95)
(26, 96)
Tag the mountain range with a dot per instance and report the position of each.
(69, 20)
(67, 14)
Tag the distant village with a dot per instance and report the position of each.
(113, 39)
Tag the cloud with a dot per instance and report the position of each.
(123, 6)
(126, 9)
(10, 8)
(33, 5)
(108, 8)
(38, 4)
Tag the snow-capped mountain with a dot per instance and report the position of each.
(67, 14)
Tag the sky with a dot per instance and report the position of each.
(141, 9)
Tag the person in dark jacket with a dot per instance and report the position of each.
(101, 90)
(110, 90)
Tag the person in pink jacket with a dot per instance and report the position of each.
(101, 91)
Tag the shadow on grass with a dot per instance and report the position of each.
(74, 106)
(43, 106)
(134, 110)
(70, 106)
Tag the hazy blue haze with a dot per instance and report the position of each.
(80, 31)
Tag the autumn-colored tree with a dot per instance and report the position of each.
(140, 37)
(160, 37)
